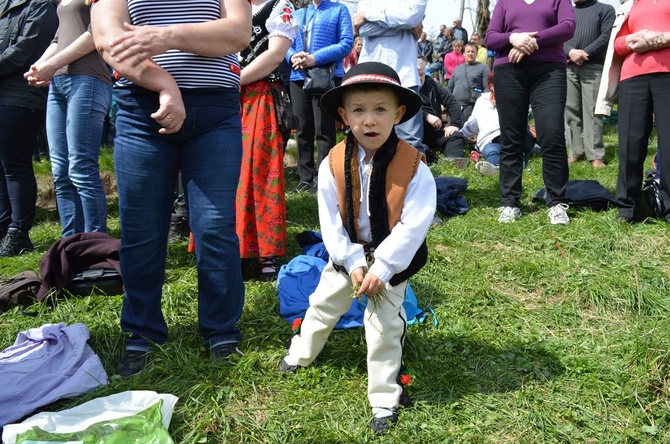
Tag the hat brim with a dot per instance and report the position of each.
(332, 99)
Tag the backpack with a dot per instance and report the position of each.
(18, 290)
(651, 202)
(298, 279)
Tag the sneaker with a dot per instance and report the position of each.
(226, 352)
(285, 367)
(303, 187)
(509, 214)
(558, 214)
(383, 424)
(15, 242)
(487, 168)
(133, 362)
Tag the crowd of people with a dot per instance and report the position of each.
(194, 88)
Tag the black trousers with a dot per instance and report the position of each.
(313, 123)
(18, 189)
(642, 98)
(543, 86)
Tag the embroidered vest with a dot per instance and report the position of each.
(399, 172)
(260, 39)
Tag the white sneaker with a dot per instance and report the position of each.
(509, 214)
(558, 214)
(487, 168)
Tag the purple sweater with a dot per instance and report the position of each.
(553, 19)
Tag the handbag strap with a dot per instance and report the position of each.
(304, 29)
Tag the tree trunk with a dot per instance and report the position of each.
(483, 17)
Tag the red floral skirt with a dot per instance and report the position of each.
(260, 202)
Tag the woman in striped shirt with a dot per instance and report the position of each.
(178, 110)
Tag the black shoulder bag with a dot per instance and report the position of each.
(318, 79)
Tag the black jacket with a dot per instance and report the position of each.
(27, 28)
(434, 96)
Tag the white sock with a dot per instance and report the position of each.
(290, 360)
(381, 412)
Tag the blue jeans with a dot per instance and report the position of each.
(18, 188)
(491, 151)
(543, 86)
(76, 111)
(412, 130)
(208, 151)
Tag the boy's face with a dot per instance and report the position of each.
(371, 115)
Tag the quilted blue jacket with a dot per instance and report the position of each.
(332, 36)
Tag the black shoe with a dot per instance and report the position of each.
(303, 187)
(269, 269)
(225, 353)
(15, 242)
(132, 363)
(382, 425)
(179, 229)
(284, 367)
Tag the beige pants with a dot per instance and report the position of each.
(385, 328)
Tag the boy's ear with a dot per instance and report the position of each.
(399, 113)
(341, 111)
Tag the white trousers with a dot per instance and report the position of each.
(385, 327)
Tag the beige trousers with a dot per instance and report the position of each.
(385, 327)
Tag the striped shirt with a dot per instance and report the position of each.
(189, 70)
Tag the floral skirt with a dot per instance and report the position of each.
(260, 202)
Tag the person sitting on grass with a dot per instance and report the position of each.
(377, 198)
(434, 97)
(484, 124)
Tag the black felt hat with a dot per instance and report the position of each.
(371, 73)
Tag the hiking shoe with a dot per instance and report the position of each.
(303, 187)
(133, 362)
(509, 214)
(383, 424)
(179, 229)
(285, 367)
(225, 353)
(558, 214)
(487, 168)
(15, 242)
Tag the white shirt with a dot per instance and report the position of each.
(483, 121)
(395, 252)
(387, 37)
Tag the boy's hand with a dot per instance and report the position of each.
(371, 286)
(357, 277)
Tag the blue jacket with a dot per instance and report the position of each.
(332, 36)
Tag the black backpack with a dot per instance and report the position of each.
(18, 290)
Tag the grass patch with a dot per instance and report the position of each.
(546, 334)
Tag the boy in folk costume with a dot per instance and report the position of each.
(376, 200)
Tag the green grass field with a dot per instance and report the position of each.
(546, 334)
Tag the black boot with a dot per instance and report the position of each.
(15, 242)
(179, 228)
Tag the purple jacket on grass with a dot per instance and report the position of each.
(45, 364)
